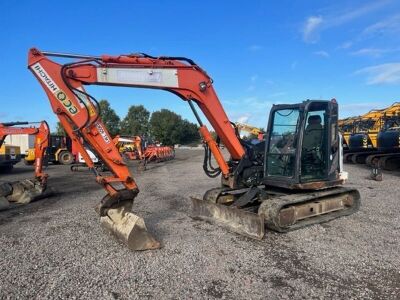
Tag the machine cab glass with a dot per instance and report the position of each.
(300, 139)
(282, 146)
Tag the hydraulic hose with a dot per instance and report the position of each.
(76, 93)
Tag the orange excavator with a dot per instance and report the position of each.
(131, 147)
(135, 148)
(292, 179)
(25, 191)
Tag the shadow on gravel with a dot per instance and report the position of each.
(21, 210)
(17, 171)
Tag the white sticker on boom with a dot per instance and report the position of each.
(103, 133)
(53, 87)
(44, 77)
(144, 77)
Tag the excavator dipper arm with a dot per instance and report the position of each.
(27, 190)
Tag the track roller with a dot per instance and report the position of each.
(281, 212)
(294, 211)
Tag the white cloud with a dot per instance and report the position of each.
(253, 78)
(356, 12)
(321, 53)
(251, 88)
(382, 74)
(388, 25)
(315, 24)
(255, 48)
(346, 45)
(310, 29)
(251, 110)
(373, 52)
(243, 118)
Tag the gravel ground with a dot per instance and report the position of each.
(55, 248)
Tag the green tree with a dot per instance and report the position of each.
(169, 128)
(189, 132)
(109, 117)
(136, 122)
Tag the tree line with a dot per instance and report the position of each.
(163, 126)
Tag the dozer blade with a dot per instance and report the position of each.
(294, 211)
(232, 218)
(129, 228)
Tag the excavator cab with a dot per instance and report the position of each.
(302, 145)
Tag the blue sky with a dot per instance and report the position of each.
(258, 52)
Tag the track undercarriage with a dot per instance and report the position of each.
(248, 211)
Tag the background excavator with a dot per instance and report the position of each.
(346, 127)
(27, 190)
(292, 179)
(130, 146)
(363, 139)
(137, 148)
(250, 129)
(375, 139)
(59, 151)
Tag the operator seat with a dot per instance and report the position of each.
(313, 133)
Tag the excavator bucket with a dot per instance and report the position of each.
(127, 227)
(5, 190)
(22, 192)
(232, 218)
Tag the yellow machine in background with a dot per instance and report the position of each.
(9, 156)
(29, 158)
(346, 127)
(361, 132)
(58, 152)
(250, 129)
(125, 144)
(366, 129)
(372, 136)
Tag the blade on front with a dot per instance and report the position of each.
(237, 220)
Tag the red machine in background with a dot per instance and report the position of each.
(158, 153)
(137, 148)
(25, 191)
